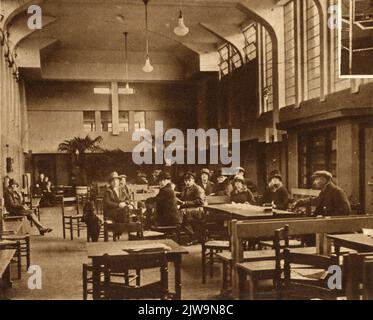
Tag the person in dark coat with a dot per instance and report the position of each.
(116, 202)
(248, 183)
(124, 187)
(14, 206)
(240, 193)
(191, 201)
(205, 183)
(166, 206)
(223, 185)
(276, 193)
(332, 200)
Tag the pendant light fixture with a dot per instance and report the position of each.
(147, 67)
(127, 89)
(181, 30)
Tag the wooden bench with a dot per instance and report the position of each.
(242, 230)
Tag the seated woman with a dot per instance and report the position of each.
(240, 193)
(276, 193)
(13, 204)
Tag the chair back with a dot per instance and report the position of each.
(70, 205)
(215, 226)
(140, 261)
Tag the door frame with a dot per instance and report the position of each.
(362, 155)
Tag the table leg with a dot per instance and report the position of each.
(95, 280)
(177, 265)
(241, 283)
(224, 274)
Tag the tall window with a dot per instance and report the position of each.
(229, 59)
(268, 72)
(289, 53)
(89, 123)
(317, 151)
(139, 120)
(312, 22)
(123, 121)
(106, 121)
(249, 34)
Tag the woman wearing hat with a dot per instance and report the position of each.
(276, 193)
(240, 193)
(223, 186)
(13, 204)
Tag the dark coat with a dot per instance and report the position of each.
(209, 188)
(242, 196)
(332, 201)
(224, 189)
(111, 204)
(279, 197)
(13, 203)
(193, 196)
(166, 207)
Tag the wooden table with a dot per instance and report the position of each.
(358, 242)
(247, 211)
(95, 251)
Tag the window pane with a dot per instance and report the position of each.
(139, 120)
(123, 121)
(106, 121)
(89, 124)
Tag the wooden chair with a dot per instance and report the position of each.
(313, 283)
(358, 275)
(24, 246)
(123, 264)
(71, 218)
(142, 234)
(214, 239)
(13, 245)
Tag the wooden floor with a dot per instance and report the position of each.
(61, 262)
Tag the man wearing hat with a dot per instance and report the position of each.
(116, 202)
(166, 206)
(124, 186)
(332, 200)
(205, 183)
(251, 185)
(223, 186)
(191, 201)
(13, 204)
(276, 193)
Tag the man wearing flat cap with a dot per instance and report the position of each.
(205, 183)
(332, 200)
(123, 185)
(116, 202)
(166, 206)
(191, 201)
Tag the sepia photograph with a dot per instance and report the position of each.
(356, 39)
(195, 150)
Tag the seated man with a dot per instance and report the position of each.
(191, 201)
(205, 183)
(116, 202)
(166, 206)
(13, 204)
(332, 201)
(240, 193)
(251, 185)
(276, 193)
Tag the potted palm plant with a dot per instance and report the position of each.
(78, 147)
